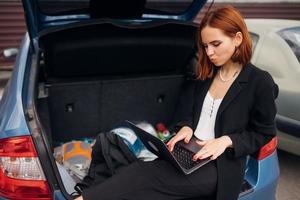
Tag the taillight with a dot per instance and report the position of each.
(21, 175)
(268, 149)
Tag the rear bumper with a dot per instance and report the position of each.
(263, 175)
(288, 125)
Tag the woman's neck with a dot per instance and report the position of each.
(230, 68)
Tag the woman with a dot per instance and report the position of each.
(230, 108)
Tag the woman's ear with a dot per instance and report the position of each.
(238, 38)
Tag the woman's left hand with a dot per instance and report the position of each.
(213, 148)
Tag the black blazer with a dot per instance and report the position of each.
(246, 115)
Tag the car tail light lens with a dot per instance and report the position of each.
(268, 149)
(21, 175)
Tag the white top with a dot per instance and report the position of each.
(206, 126)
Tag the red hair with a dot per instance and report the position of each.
(230, 21)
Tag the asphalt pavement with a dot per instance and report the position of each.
(289, 181)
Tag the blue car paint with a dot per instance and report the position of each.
(58, 195)
(12, 118)
(264, 186)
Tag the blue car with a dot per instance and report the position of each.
(85, 66)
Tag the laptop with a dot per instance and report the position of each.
(180, 157)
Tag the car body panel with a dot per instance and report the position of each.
(273, 54)
(12, 118)
(265, 183)
(38, 21)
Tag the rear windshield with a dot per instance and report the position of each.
(61, 7)
(292, 37)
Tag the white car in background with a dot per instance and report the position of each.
(276, 46)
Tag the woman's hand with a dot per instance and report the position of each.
(213, 148)
(185, 133)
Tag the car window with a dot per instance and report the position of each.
(292, 38)
(57, 7)
(255, 39)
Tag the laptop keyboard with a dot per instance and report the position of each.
(184, 157)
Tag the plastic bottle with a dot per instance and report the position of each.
(162, 131)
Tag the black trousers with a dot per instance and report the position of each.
(156, 180)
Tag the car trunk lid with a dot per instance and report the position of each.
(44, 14)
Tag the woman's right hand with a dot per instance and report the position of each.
(185, 133)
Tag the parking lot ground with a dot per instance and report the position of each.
(289, 180)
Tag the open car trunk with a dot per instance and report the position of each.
(94, 76)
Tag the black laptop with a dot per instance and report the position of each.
(180, 157)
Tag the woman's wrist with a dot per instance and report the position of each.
(187, 128)
(228, 141)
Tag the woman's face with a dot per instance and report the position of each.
(218, 46)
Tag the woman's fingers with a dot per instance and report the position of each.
(202, 154)
(174, 140)
(168, 143)
(188, 138)
(171, 140)
(79, 198)
(215, 156)
(201, 142)
(210, 148)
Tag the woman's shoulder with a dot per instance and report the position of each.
(260, 74)
(263, 79)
